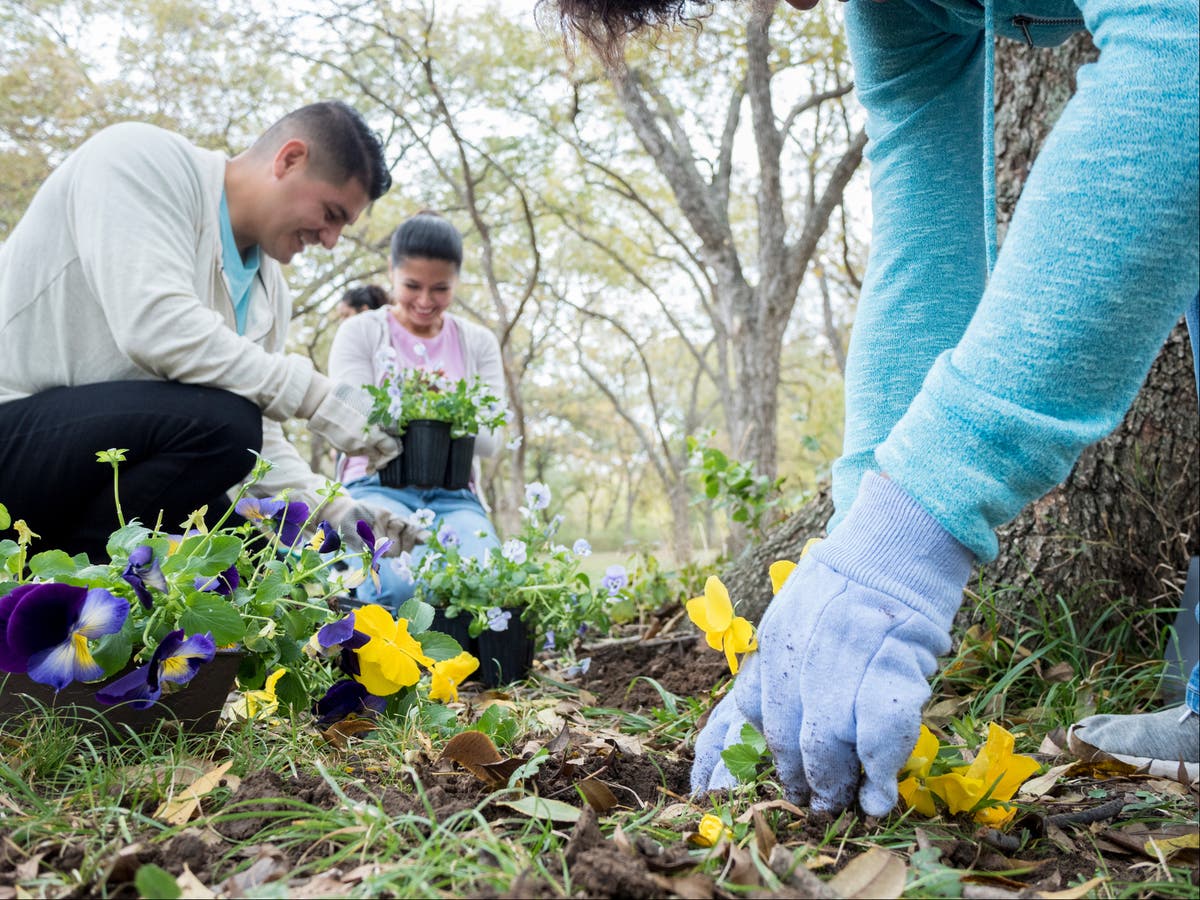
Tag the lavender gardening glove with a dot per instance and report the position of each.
(844, 653)
(344, 514)
(338, 412)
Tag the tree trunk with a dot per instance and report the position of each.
(1121, 528)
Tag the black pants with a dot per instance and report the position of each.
(186, 445)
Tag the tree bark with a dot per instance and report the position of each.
(1120, 530)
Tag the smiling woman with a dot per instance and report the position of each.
(417, 334)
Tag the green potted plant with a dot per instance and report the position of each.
(172, 620)
(437, 420)
(529, 592)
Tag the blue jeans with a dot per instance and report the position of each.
(458, 510)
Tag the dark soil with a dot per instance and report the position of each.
(684, 666)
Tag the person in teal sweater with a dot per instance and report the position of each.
(974, 380)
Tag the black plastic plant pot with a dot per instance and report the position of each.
(196, 706)
(457, 627)
(426, 448)
(458, 463)
(504, 656)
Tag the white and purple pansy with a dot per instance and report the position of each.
(498, 619)
(448, 537)
(615, 579)
(45, 629)
(537, 495)
(176, 659)
(143, 572)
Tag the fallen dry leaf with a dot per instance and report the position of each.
(1080, 890)
(1040, 786)
(767, 805)
(181, 809)
(475, 752)
(192, 887)
(339, 733)
(877, 873)
(598, 794)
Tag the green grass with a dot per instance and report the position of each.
(65, 789)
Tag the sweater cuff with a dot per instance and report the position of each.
(888, 542)
(318, 389)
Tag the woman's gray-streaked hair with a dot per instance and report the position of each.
(605, 24)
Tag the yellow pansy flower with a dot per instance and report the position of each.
(779, 572)
(388, 661)
(449, 674)
(913, 789)
(995, 774)
(253, 704)
(710, 831)
(713, 614)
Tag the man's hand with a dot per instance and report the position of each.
(845, 649)
(339, 414)
(345, 512)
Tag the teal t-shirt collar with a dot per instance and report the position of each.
(239, 272)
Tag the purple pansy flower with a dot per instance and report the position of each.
(615, 578)
(581, 548)
(448, 537)
(549, 645)
(347, 698)
(142, 572)
(423, 517)
(45, 628)
(326, 539)
(377, 547)
(176, 659)
(224, 584)
(340, 638)
(288, 516)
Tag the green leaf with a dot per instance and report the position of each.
(290, 692)
(55, 565)
(743, 758)
(271, 586)
(418, 613)
(221, 552)
(112, 651)
(125, 540)
(438, 646)
(153, 881)
(499, 724)
(5, 518)
(216, 615)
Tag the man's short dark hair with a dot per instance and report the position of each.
(341, 145)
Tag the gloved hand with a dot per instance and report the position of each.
(845, 649)
(338, 412)
(344, 513)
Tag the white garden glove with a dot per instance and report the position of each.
(837, 684)
(344, 513)
(338, 412)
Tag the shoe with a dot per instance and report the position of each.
(1158, 743)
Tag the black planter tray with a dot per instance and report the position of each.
(196, 706)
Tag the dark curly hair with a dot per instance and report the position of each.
(605, 24)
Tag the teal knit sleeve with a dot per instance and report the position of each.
(1099, 262)
(922, 86)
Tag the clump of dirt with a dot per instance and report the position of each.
(599, 868)
(685, 666)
